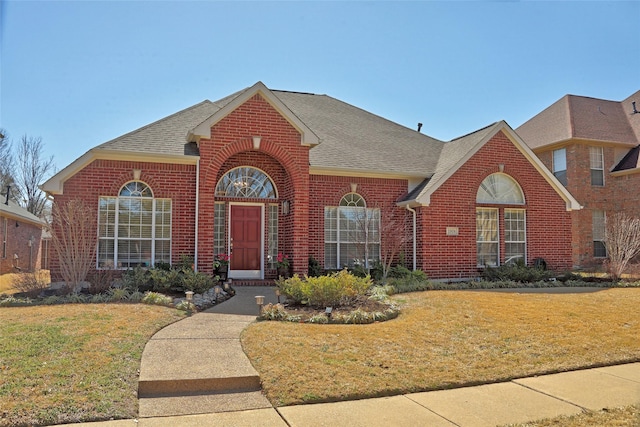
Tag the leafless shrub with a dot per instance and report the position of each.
(622, 242)
(73, 237)
(101, 281)
(31, 284)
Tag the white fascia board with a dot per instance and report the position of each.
(571, 202)
(55, 184)
(203, 130)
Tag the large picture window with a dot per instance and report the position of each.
(134, 229)
(500, 189)
(351, 233)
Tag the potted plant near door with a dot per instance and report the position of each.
(221, 265)
(282, 264)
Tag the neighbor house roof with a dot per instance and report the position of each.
(580, 117)
(14, 211)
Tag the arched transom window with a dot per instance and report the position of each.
(501, 189)
(246, 181)
(134, 228)
(351, 233)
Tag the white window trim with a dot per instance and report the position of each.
(116, 237)
(524, 212)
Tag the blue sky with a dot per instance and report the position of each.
(80, 73)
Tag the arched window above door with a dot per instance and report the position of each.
(246, 181)
(500, 188)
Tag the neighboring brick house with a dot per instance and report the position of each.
(265, 172)
(592, 147)
(20, 239)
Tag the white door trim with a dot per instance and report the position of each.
(247, 274)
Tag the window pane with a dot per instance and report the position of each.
(597, 166)
(597, 177)
(499, 188)
(246, 182)
(559, 160)
(219, 214)
(487, 236)
(514, 235)
(599, 250)
(330, 256)
(272, 253)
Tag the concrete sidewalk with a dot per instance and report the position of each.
(194, 373)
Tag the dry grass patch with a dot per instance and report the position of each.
(628, 416)
(445, 339)
(71, 363)
(8, 281)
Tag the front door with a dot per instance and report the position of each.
(246, 242)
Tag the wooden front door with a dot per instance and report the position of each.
(246, 241)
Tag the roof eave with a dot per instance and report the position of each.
(55, 184)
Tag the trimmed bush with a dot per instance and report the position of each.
(337, 289)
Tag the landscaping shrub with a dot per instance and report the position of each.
(517, 272)
(196, 281)
(136, 279)
(31, 284)
(341, 288)
(412, 281)
(315, 269)
(155, 298)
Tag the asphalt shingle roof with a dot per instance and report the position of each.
(16, 211)
(350, 138)
(582, 117)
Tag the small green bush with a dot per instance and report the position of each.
(196, 281)
(336, 289)
(154, 298)
(517, 272)
(315, 269)
(136, 279)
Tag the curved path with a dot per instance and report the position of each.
(194, 373)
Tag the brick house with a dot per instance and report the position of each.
(593, 147)
(265, 172)
(20, 239)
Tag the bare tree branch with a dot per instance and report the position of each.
(32, 169)
(622, 242)
(73, 236)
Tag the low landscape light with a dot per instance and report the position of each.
(260, 302)
(189, 295)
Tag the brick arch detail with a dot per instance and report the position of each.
(246, 144)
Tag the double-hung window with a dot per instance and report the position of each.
(596, 160)
(134, 229)
(351, 233)
(598, 229)
(560, 165)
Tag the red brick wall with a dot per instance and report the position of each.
(17, 243)
(280, 153)
(454, 205)
(106, 177)
(329, 190)
(618, 194)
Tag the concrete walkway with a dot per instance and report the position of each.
(195, 373)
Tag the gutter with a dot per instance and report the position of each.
(413, 211)
(195, 250)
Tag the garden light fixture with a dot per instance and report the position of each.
(260, 302)
(189, 295)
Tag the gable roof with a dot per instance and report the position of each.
(459, 150)
(580, 117)
(17, 212)
(343, 140)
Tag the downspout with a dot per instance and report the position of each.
(195, 252)
(415, 245)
